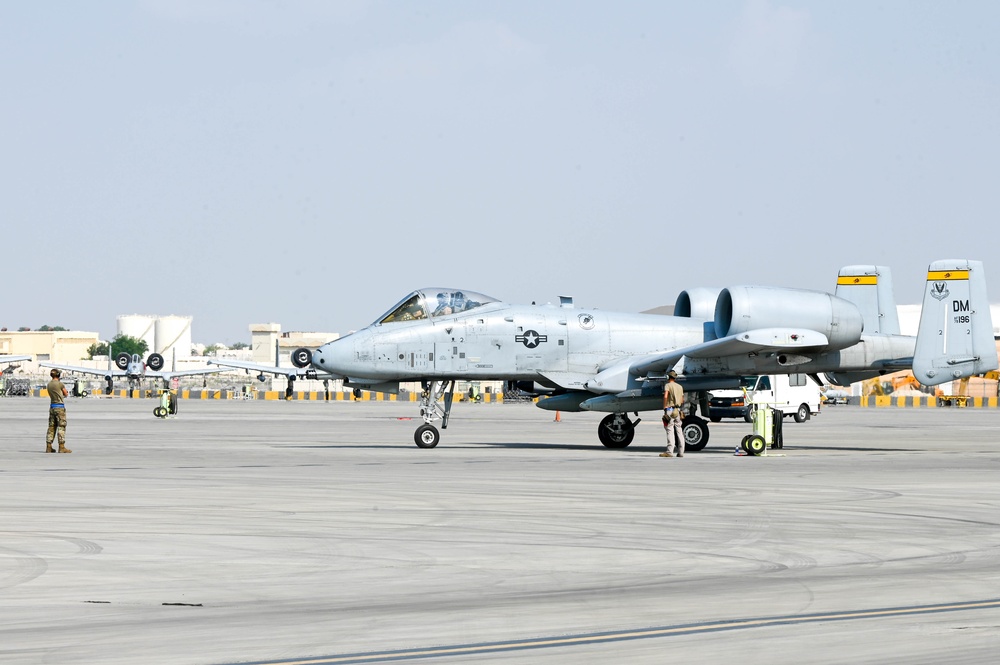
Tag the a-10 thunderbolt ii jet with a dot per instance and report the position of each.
(592, 360)
(134, 369)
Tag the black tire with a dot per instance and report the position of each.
(426, 436)
(160, 412)
(616, 434)
(802, 413)
(301, 358)
(695, 433)
(715, 419)
(743, 443)
(121, 360)
(172, 404)
(755, 445)
(747, 416)
(155, 362)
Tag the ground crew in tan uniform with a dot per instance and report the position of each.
(673, 398)
(57, 413)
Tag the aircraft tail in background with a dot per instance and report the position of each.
(955, 337)
(870, 289)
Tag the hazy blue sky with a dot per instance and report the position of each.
(310, 162)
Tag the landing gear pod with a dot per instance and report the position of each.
(301, 358)
(121, 360)
(155, 362)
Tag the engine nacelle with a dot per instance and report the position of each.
(301, 358)
(155, 362)
(697, 303)
(740, 309)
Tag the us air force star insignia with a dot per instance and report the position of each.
(939, 291)
(586, 321)
(531, 339)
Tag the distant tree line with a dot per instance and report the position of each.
(119, 344)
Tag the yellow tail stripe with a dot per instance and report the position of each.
(857, 280)
(943, 275)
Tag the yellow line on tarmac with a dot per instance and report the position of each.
(618, 636)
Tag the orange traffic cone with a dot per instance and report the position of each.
(558, 418)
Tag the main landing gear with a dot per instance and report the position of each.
(617, 431)
(427, 436)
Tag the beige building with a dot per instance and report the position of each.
(264, 337)
(66, 346)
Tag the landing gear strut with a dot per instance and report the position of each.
(427, 436)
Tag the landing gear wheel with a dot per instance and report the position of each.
(695, 433)
(426, 436)
(160, 412)
(802, 414)
(616, 431)
(754, 444)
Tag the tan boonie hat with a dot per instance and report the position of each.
(672, 374)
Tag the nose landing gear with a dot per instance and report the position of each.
(427, 435)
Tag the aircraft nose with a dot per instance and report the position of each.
(328, 358)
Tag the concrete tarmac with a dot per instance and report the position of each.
(311, 532)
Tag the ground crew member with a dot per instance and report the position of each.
(57, 413)
(673, 398)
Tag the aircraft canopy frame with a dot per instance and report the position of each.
(429, 303)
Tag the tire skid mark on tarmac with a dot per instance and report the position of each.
(635, 634)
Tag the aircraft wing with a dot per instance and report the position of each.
(268, 369)
(167, 375)
(753, 341)
(13, 359)
(85, 370)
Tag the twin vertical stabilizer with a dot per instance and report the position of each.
(870, 289)
(955, 337)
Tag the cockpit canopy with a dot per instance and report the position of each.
(429, 303)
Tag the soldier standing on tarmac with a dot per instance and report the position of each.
(673, 400)
(57, 413)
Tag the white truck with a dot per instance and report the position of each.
(796, 395)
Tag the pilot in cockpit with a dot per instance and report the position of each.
(444, 305)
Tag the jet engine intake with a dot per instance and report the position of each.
(155, 362)
(301, 358)
(741, 309)
(698, 303)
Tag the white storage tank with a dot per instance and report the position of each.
(173, 333)
(139, 326)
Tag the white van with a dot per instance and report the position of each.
(795, 394)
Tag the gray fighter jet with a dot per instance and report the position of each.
(134, 369)
(591, 360)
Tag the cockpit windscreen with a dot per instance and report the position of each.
(430, 303)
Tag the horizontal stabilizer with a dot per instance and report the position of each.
(955, 337)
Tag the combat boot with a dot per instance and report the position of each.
(64, 449)
(49, 448)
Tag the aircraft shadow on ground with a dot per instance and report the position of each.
(528, 445)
